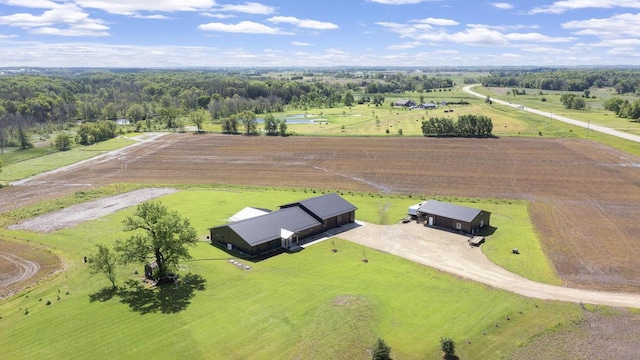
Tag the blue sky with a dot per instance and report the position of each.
(185, 33)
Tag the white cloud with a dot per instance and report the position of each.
(477, 37)
(560, 7)
(74, 20)
(502, 5)
(244, 27)
(298, 43)
(250, 8)
(446, 52)
(303, 23)
(34, 4)
(618, 42)
(402, 29)
(624, 52)
(133, 7)
(543, 49)
(504, 27)
(405, 46)
(71, 31)
(8, 36)
(151, 17)
(217, 16)
(437, 22)
(614, 27)
(536, 37)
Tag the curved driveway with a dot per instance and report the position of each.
(567, 120)
(451, 253)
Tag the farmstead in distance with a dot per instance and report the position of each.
(284, 228)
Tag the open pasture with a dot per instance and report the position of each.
(583, 195)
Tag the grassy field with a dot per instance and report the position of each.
(20, 164)
(594, 114)
(313, 304)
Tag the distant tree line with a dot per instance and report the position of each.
(466, 126)
(622, 80)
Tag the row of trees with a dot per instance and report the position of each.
(466, 126)
(624, 108)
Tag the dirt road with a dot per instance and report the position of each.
(594, 127)
(451, 253)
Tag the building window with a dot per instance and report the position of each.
(458, 226)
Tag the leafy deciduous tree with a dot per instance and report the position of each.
(282, 128)
(160, 234)
(62, 142)
(198, 118)
(104, 261)
(270, 125)
(348, 99)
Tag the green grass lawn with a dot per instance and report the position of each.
(40, 160)
(314, 304)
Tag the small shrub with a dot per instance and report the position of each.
(381, 351)
(448, 346)
(48, 302)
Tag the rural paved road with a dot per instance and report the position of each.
(451, 253)
(594, 127)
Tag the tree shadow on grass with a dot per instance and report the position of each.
(104, 294)
(164, 299)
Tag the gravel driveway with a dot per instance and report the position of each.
(451, 253)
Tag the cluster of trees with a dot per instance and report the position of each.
(466, 126)
(14, 131)
(91, 133)
(622, 80)
(275, 126)
(624, 108)
(159, 234)
(572, 101)
(397, 82)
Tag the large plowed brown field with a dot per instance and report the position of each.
(585, 197)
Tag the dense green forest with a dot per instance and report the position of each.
(29, 101)
(622, 80)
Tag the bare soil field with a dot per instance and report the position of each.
(21, 265)
(584, 196)
(598, 335)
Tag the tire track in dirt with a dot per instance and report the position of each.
(22, 269)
